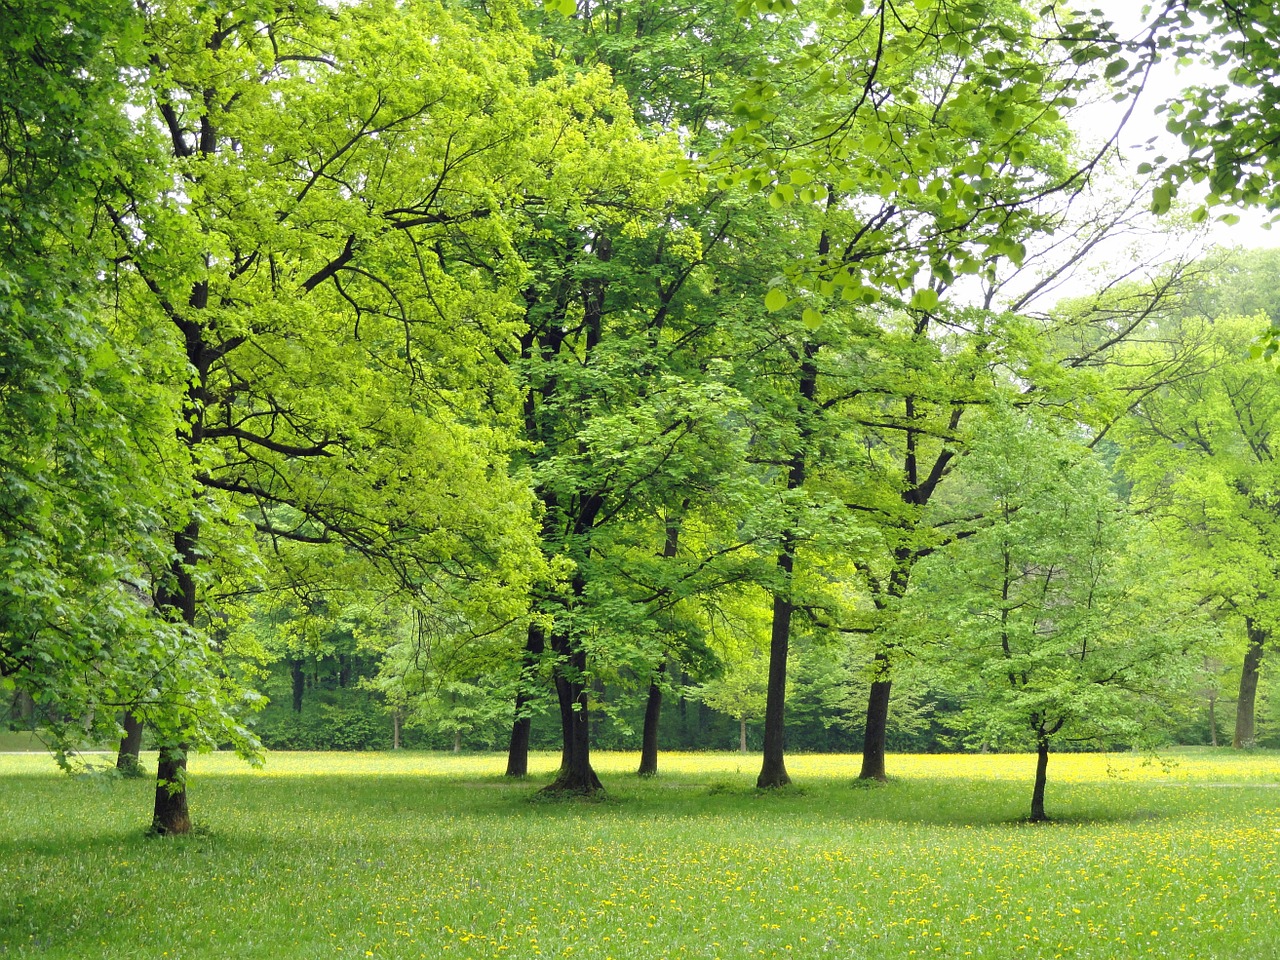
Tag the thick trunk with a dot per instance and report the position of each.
(742, 734)
(1042, 770)
(649, 739)
(873, 737)
(773, 770)
(299, 682)
(1245, 734)
(518, 748)
(576, 774)
(128, 758)
(170, 816)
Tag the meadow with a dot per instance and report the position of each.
(417, 855)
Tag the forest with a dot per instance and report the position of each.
(762, 376)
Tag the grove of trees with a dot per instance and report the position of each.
(627, 373)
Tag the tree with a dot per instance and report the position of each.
(1199, 454)
(79, 507)
(1056, 619)
(303, 267)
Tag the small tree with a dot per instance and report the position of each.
(1056, 620)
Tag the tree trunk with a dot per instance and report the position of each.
(576, 774)
(773, 770)
(395, 729)
(128, 757)
(649, 740)
(518, 749)
(873, 736)
(170, 817)
(1213, 718)
(1042, 776)
(742, 734)
(457, 741)
(177, 598)
(299, 682)
(1245, 734)
(26, 708)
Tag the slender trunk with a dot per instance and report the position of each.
(299, 682)
(26, 708)
(518, 748)
(457, 741)
(177, 599)
(1245, 734)
(653, 706)
(742, 734)
(1213, 718)
(873, 736)
(1042, 776)
(128, 758)
(170, 816)
(652, 713)
(395, 729)
(773, 770)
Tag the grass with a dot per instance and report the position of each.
(426, 855)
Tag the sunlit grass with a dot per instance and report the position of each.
(434, 855)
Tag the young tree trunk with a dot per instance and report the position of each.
(873, 737)
(26, 708)
(1245, 734)
(1213, 718)
(170, 817)
(177, 599)
(773, 770)
(299, 682)
(128, 757)
(1042, 771)
(395, 729)
(457, 741)
(742, 734)
(518, 748)
(649, 740)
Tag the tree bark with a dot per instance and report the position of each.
(26, 707)
(742, 734)
(873, 736)
(1213, 718)
(518, 748)
(1245, 705)
(395, 729)
(299, 682)
(576, 774)
(773, 769)
(170, 817)
(128, 758)
(457, 741)
(649, 739)
(1042, 776)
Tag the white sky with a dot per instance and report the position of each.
(1166, 80)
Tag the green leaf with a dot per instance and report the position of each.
(775, 299)
(812, 318)
(925, 299)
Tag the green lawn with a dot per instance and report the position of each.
(427, 855)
